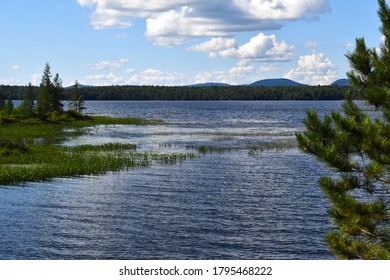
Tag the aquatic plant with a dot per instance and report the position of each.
(34, 152)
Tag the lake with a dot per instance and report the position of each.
(240, 199)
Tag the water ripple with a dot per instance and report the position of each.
(221, 206)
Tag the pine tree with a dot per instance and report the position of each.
(45, 88)
(56, 95)
(357, 146)
(9, 107)
(76, 100)
(26, 107)
(42, 107)
(2, 101)
(49, 94)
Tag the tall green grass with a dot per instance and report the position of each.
(31, 152)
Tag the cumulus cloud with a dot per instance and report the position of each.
(177, 20)
(234, 76)
(281, 9)
(102, 80)
(313, 69)
(153, 76)
(261, 47)
(244, 72)
(108, 65)
(116, 73)
(130, 76)
(214, 46)
(9, 81)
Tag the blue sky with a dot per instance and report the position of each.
(181, 42)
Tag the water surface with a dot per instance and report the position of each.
(240, 204)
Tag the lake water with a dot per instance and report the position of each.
(248, 202)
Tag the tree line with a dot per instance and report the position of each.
(130, 92)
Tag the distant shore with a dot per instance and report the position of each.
(199, 92)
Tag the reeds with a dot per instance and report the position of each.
(33, 152)
(258, 146)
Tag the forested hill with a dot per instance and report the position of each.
(199, 92)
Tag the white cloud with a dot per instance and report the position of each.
(214, 46)
(178, 25)
(244, 72)
(313, 69)
(282, 9)
(311, 45)
(16, 67)
(153, 76)
(102, 80)
(36, 79)
(261, 48)
(108, 65)
(178, 20)
(210, 76)
(9, 81)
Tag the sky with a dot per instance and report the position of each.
(182, 42)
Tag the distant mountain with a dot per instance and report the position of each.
(276, 82)
(80, 86)
(341, 83)
(210, 85)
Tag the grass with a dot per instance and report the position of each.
(31, 151)
(253, 148)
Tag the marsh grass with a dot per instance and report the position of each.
(32, 152)
(253, 148)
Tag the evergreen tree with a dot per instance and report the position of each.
(76, 100)
(9, 107)
(43, 104)
(26, 107)
(45, 88)
(2, 101)
(56, 95)
(49, 94)
(357, 146)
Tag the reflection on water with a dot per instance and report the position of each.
(233, 205)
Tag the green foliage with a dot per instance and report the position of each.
(42, 107)
(76, 99)
(44, 163)
(131, 92)
(48, 107)
(357, 146)
(212, 93)
(26, 107)
(49, 94)
(12, 146)
(8, 108)
(30, 149)
(56, 95)
(2, 101)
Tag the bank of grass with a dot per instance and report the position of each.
(30, 150)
